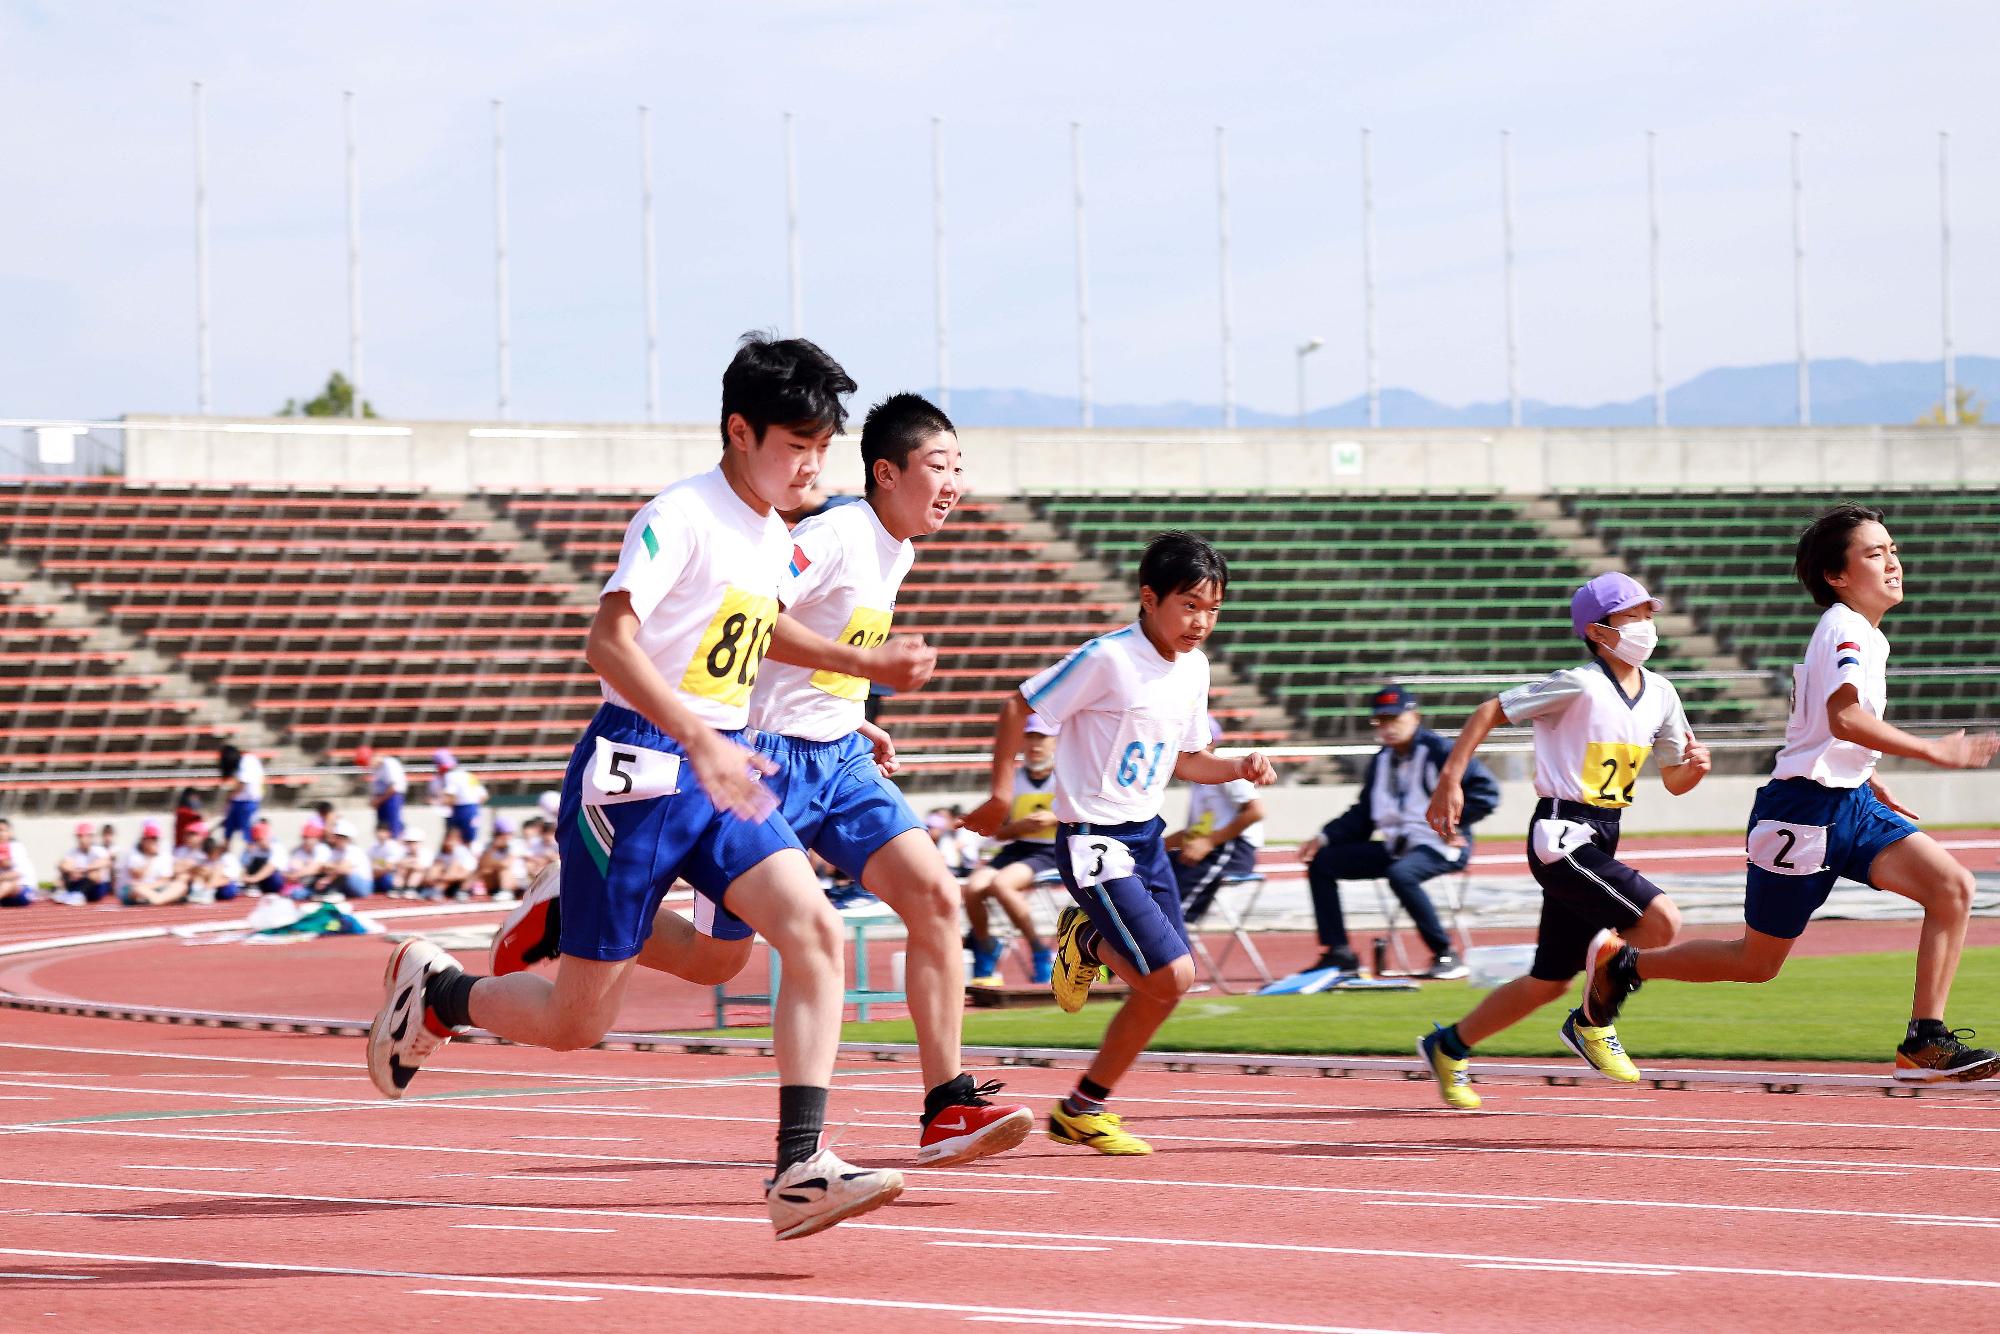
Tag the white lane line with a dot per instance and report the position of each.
(1582, 1097)
(582, 1139)
(502, 1296)
(105, 1132)
(1827, 1171)
(1014, 1246)
(25, 1097)
(1628, 1154)
(523, 1176)
(526, 1227)
(59, 1278)
(1938, 1222)
(1073, 1317)
(980, 1190)
(1613, 1271)
(1442, 1204)
(1064, 1324)
(178, 1167)
(102, 1213)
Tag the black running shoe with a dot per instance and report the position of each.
(1345, 960)
(1944, 1058)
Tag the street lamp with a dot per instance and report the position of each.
(1306, 349)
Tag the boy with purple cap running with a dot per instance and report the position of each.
(1594, 726)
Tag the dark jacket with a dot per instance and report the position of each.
(1482, 792)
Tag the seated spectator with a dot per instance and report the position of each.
(1395, 794)
(451, 875)
(146, 873)
(958, 845)
(17, 870)
(346, 871)
(261, 872)
(386, 857)
(538, 845)
(187, 811)
(85, 870)
(1225, 830)
(416, 863)
(1028, 849)
(189, 859)
(305, 866)
(501, 871)
(218, 876)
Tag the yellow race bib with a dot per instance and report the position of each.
(866, 628)
(1611, 772)
(725, 662)
(1028, 803)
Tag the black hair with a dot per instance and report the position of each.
(1175, 562)
(1823, 548)
(227, 757)
(324, 810)
(895, 427)
(783, 382)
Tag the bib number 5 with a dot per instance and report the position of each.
(620, 772)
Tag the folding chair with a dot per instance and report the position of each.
(1234, 917)
(1456, 884)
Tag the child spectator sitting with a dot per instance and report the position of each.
(450, 876)
(261, 871)
(538, 845)
(187, 811)
(146, 873)
(386, 858)
(347, 869)
(416, 864)
(308, 860)
(85, 870)
(189, 858)
(501, 871)
(17, 871)
(218, 876)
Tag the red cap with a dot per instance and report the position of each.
(364, 755)
(85, 827)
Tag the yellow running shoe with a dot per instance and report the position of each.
(1101, 1131)
(1600, 1049)
(1073, 974)
(1454, 1084)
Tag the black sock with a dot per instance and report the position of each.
(1452, 1045)
(948, 1094)
(449, 997)
(1925, 1030)
(801, 1118)
(1088, 1096)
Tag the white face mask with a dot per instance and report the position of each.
(1636, 643)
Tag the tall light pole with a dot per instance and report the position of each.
(1222, 264)
(1507, 274)
(1653, 253)
(792, 229)
(202, 397)
(1305, 349)
(1368, 277)
(1799, 282)
(503, 366)
(649, 273)
(938, 265)
(1944, 277)
(1082, 277)
(353, 258)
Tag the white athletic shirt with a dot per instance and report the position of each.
(1126, 715)
(250, 773)
(14, 853)
(702, 570)
(1213, 805)
(458, 786)
(844, 572)
(385, 855)
(135, 866)
(1844, 651)
(389, 776)
(1590, 740)
(1032, 794)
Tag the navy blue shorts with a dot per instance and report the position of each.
(834, 797)
(631, 822)
(1125, 884)
(1804, 836)
(1572, 853)
(465, 819)
(241, 814)
(390, 814)
(1037, 857)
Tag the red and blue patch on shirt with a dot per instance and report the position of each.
(800, 561)
(1841, 650)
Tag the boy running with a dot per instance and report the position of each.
(1029, 833)
(662, 787)
(839, 594)
(1132, 707)
(1825, 816)
(1594, 727)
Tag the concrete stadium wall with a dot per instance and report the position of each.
(464, 456)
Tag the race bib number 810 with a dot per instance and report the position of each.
(725, 662)
(866, 628)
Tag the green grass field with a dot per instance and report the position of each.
(1838, 1008)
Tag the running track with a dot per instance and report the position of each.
(220, 1179)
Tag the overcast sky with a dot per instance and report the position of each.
(97, 311)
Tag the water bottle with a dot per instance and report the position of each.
(1381, 955)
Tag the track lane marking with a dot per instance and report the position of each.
(526, 1227)
(503, 1296)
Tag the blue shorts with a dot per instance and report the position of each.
(1039, 858)
(632, 821)
(465, 819)
(834, 798)
(390, 814)
(1138, 913)
(1803, 836)
(242, 811)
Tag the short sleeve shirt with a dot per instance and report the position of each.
(1213, 805)
(389, 777)
(702, 570)
(1032, 794)
(841, 582)
(1590, 739)
(1127, 714)
(1845, 650)
(250, 773)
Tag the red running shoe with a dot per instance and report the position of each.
(532, 933)
(970, 1127)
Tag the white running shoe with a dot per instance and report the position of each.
(532, 933)
(404, 1034)
(812, 1196)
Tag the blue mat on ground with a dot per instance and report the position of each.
(1332, 979)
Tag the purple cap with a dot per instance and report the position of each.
(1039, 726)
(1606, 595)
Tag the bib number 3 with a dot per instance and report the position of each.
(1094, 859)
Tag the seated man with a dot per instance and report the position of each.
(1395, 794)
(1225, 829)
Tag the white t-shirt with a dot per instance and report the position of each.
(1844, 651)
(842, 581)
(250, 773)
(226, 866)
(1213, 805)
(702, 570)
(459, 860)
(1126, 714)
(458, 787)
(389, 776)
(306, 861)
(385, 856)
(1032, 794)
(350, 860)
(1590, 740)
(14, 854)
(77, 862)
(135, 866)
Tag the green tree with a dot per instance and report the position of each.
(1971, 412)
(336, 400)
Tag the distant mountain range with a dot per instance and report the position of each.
(1844, 393)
